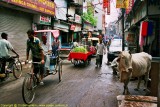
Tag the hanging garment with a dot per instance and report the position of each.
(144, 29)
(150, 28)
(141, 38)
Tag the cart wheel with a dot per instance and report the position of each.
(75, 62)
(88, 61)
(60, 71)
(85, 62)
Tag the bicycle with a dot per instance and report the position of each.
(16, 68)
(31, 80)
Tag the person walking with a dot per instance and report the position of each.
(100, 47)
(108, 44)
(5, 47)
(75, 44)
(55, 46)
(34, 44)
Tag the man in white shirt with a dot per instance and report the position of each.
(75, 44)
(47, 52)
(100, 47)
(5, 47)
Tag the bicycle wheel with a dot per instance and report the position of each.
(28, 92)
(17, 69)
(60, 71)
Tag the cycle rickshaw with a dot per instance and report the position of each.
(31, 79)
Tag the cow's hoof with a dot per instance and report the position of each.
(144, 89)
(136, 89)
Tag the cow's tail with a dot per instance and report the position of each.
(149, 63)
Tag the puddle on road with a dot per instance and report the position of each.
(109, 77)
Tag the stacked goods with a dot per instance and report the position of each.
(80, 49)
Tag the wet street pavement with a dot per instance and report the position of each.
(80, 87)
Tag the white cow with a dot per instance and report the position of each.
(133, 65)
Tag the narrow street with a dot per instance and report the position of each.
(80, 87)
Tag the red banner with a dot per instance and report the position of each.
(44, 6)
(108, 9)
(105, 3)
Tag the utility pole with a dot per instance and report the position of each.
(123, 11)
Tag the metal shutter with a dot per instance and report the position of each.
(16, 23)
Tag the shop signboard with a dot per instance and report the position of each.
(78, 18)
(72, 27)
(46, 20)
(88, 26)
(77, 28)
(43, 6)
(41, 19)
(140, 13)
(131, 3)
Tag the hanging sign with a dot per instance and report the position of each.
(72, 27)
(78, 18)
(44, 6)
(131, 2)
(108, 8)
(122, 3)
(105, 3)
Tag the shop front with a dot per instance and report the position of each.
(76, 27)
(144, 28)
(65, 38)
(17, 18)
(87, 29)
(132, 33)
(76, 32)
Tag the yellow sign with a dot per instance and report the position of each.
(44, 6)
(122, 4)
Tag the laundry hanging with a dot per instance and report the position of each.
(150, 28)
(144, 29)
(141, 38)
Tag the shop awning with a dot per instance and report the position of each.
(62, 29)
(54, 32)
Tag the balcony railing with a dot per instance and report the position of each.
(76, 2)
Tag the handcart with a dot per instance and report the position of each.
(80, 58)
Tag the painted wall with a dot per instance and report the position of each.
(99, 9)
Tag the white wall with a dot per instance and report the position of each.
(98, 8)
(61, 9)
